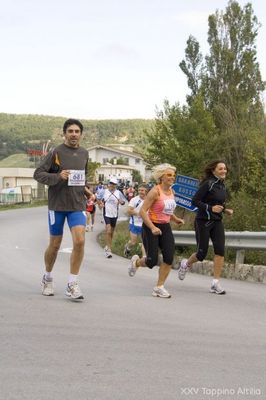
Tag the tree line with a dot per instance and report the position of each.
(224, 116)
(18, 133)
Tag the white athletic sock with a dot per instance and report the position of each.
(72, 278)
(215, 281)
(48, 275)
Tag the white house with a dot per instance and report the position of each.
(110, 159)
(16, 177)
(107, 157)
(16, 184)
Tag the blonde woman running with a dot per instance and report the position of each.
(157, 211)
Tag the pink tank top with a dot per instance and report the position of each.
(161, 210)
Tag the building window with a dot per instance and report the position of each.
(105, 160)
(137, 160)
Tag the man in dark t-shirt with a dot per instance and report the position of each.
(64, 170)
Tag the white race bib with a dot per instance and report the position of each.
(169, 206)
(76, 177)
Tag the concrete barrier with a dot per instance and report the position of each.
(242, 272)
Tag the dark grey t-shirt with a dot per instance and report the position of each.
(61, 195)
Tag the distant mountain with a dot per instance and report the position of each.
(18, 133)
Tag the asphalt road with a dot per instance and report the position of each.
(120, 343)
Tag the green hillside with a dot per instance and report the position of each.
(17, 161)
(18, 133)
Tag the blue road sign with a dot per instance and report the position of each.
(185, 187)
(184, 202)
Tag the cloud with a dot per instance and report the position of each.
(196, 19)
(117, 50)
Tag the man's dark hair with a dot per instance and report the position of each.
(143, 185)
(72, 121)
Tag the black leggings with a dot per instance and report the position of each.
(152, 243)
(206, 230)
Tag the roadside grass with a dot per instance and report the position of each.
(34, 203)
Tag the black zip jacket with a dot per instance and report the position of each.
(211, 192)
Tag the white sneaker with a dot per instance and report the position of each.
(183, 268)
(47, 286)
(217, 289)
(132, 269)
(108, 252)
(160, 291)
(73, 291)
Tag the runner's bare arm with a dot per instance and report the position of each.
(177, 220)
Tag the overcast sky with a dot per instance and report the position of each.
(98, 59)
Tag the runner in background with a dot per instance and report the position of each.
(99, 192)
(135, 221)
(130, 193)
(109, 203)
(90, 208)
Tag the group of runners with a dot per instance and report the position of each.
(64, 171)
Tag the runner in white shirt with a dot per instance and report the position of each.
(135, 221)
(110, 202)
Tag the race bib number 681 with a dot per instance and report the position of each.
(76, 177)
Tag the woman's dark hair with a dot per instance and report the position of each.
(72, 121)
(208, 170)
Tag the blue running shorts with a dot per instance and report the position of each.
(56, 220)
(136, 230)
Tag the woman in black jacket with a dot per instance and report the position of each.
(210, 200)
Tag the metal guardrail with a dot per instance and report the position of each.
(14, 198)
(19, 198)
(240, 241)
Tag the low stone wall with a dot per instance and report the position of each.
(242, 272)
